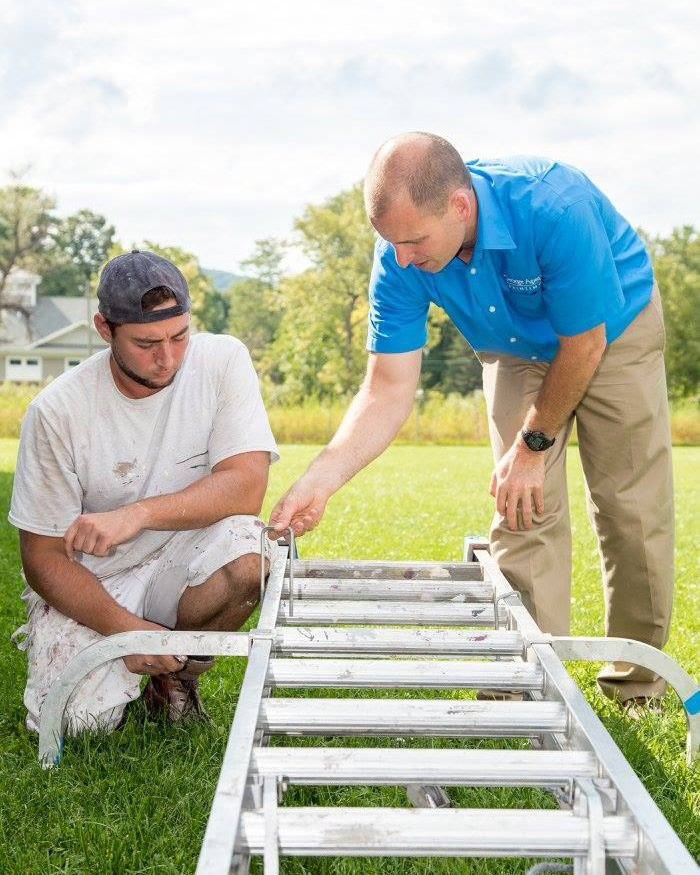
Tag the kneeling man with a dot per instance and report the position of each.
(139, 479)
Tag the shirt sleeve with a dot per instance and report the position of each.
(240, 424)
(47, 495)
(580, 284)
(398, 305)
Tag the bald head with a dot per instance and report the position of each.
(424, 168)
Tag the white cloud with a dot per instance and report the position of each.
(210, 125)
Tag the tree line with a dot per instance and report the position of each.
(306, 331)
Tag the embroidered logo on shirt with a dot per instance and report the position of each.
(524, 286)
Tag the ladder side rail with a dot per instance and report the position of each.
(216, 853)
(660, 850)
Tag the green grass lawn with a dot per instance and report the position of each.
(136, 802)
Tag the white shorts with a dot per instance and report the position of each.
(151, 590)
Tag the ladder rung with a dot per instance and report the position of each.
(367, 568)
(437, 717)
(376, 766)
(399, 642)
(425, 832)
(390, 590)
(311, 613)
(397, 673)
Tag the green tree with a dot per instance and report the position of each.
(79, 246)
(26, 221)
(449, 365)
(677, 269)
(320, 345)
(255, 309)
(212, 313)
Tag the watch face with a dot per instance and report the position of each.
(536, 440)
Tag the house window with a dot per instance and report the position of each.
(72, 363)
(24, 369)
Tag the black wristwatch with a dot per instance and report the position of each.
(536, 440)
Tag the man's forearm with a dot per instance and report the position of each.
(218, 495)
(517, 482)
(563, 386)
(236, 486)
(372, 421)
(71, 589)
(370, 424)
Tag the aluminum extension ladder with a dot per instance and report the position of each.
(413, 625)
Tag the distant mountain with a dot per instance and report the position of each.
(222, 279)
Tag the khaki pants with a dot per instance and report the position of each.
(625, 448)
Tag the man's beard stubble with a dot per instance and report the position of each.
(137, 378)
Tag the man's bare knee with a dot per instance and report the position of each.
(243, 577)
(226, 599)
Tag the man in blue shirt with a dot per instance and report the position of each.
(554, 291)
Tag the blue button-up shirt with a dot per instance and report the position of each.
(552, 257)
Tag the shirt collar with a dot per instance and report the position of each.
(491, 229)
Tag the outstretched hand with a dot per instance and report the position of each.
(300, 508)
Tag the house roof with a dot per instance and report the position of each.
(50, 316)
(54, 313)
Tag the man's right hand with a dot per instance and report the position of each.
(163, 664)
(139, 663)
(300, 508)
(371, 422)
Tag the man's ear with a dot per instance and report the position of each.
(102, 328)
(462, 201)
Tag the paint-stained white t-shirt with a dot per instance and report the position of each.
(86, 448)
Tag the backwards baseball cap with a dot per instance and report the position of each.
(126, 279)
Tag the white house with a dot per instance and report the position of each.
(52, 339)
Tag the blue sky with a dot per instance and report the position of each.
(210, 125)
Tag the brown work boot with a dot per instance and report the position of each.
(176, 696)
(640, 707)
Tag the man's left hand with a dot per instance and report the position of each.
(99, 533)
(517, 482)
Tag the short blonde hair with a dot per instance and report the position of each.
(423, 166)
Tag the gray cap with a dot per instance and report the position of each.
(126, 279)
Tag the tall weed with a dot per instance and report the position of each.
(435, 419)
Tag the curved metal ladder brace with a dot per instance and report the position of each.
(646, 656)
(592, 649)
(52, 724)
